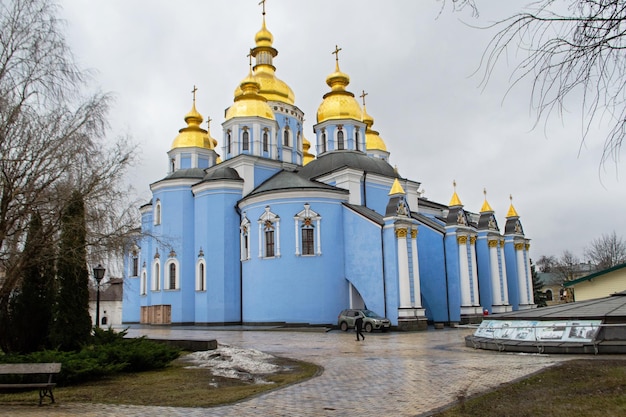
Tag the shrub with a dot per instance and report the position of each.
(110, 353)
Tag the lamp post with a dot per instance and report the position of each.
(98, 274)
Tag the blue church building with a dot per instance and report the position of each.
(266, 230)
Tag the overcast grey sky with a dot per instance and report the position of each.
(415, 61)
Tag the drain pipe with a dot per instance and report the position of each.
(382, 248)
(240, 272)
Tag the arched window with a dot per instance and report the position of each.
(340, 140)
(172, 276)
(308, 235)
(134, 263)
(265, 141)
(356, 140)
(228, 142)
(246, 141)
(269, 234)
(201, 275)
(156, 276)
(323, 141)
(299, 142)
(143, 283)
(157, 213)
(286, 137)
(244, 237)
(549, 295)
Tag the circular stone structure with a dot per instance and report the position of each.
(591, 326)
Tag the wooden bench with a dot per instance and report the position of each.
(45, 370)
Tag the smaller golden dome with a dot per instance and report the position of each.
(264, 37)
(250, 103)
(338, 103)
(372, 139)
(396, 188)
(306, 156)
(512, 212)
(192, 135)
(455, 200)
(486, 207)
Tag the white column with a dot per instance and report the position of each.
(521, 273)
(496, 293)
(403, 269)
(260, 240)
(277, 224)
(464, 272)
(474, 279)
(416, 270)
(319, 236)
(503, 278)
(529, 275)
(297, 236)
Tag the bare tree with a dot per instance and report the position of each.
(607, 251)
(52, 138)
(571, 49)
(547, 263)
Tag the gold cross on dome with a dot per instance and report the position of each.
(194, 92)
(336, 53)
(250, 58)
(363, 96)
(262, 3)
(208, 122)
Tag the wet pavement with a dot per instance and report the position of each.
(388, 374)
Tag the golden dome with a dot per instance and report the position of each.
(372, 140)
(338, 103)
(306, 156)
(270, 87)
(192, 135)
(249, 103)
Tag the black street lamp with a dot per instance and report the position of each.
(98, 274)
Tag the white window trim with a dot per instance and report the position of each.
(275, 220)
(143, 283)
(157, 213)
(156, 275)
(166, 273)
(299, 219)
(201, 280)
(244, 234)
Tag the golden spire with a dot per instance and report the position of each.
(511, 212)
(455, 200)
(396, 188)
(373, 141)
(210, 142)
(486, 207)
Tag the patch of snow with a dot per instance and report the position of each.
(230, 362)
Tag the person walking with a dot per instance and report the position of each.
(358, 326)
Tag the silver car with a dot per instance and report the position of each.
(371, 320)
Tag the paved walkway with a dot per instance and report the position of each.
(388, 374)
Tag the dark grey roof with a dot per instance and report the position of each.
(112, 290)
(187, 173)
(219, 172)
(336, 160)
(431, 204)
(289, 180)
(366, 212)
(610, 309)
(429, 221)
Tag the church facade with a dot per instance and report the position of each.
(260, 230)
